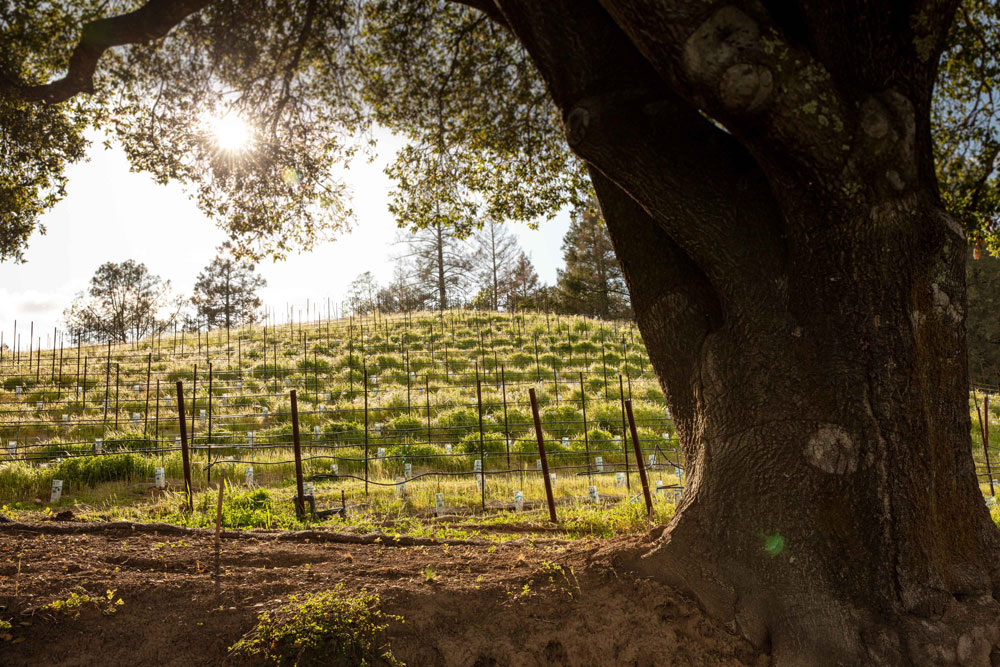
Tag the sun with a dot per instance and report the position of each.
(231, 133)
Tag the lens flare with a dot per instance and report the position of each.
(231, 133)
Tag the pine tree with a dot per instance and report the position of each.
(592, 282)
(522, 285)
(225, 294)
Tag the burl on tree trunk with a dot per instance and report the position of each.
(801, 292)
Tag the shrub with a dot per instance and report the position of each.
(327, 628)
(344, 431)
(562, 420)
(128, 441)
(406, 425)
(600, 440)
(492, 443)
(459, 421)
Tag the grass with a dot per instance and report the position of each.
(422, 412)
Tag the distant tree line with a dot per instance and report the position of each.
(488, 270)
(434, 269)
(126, 302)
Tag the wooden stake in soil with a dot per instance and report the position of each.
(218, 529)
(300, 501)
(184, 445)
(365, 374)
(621, 397)
(984, 431)
(541, 454)
(482, 447)
(638, 459)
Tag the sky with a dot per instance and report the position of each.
(113, 214)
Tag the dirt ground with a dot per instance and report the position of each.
(484, 605)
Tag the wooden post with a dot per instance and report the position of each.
(300, 501)
(506, 427)
(586, 438)
(984, 432)
(107, 388)
(156, 424)
(427, 397)
(194, 399)
(541, 454)
(118, 368)
(638, 459)
(986, 440)
(185, 458)
(621, 394)
(218, 529)
(482, 446)
(145, 414)
(208, 441)
(365, 371)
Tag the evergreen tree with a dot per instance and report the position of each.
(522, 286)
(225, 294)
(592, 282)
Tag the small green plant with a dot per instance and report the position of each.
(71, 606)
(562, 577)
(328, 628)
(429, 574)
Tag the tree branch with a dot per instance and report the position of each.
(487, 7)
(151, 21)
(699, 184)
(783, 82)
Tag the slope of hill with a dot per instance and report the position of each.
(421, 399)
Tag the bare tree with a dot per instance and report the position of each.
(440, 261)
(494, 254)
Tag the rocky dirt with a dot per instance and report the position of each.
(484, 604)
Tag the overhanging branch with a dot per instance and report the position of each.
(151, 21)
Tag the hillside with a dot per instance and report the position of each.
(380, 400)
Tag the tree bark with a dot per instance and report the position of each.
(831, 506)
(801, 292)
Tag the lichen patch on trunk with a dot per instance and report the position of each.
(832, 450)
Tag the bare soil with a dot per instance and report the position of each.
(484, 605)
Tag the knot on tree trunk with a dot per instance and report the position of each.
(832, 450)
(745, 87)
(726, 37)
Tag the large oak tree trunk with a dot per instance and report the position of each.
(801, 293)
(831, 508)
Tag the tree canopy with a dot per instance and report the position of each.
(313, 77)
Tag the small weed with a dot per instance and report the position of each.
(327, 628)
(429, 574)
(72, 605)
(562, 577)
